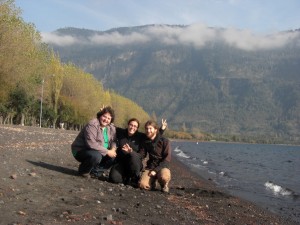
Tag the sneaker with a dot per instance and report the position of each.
(85, 175)
(165, 188)
(97, 172)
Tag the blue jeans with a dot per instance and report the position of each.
(88, 160)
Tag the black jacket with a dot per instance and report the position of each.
(134, 142)
(159, 151)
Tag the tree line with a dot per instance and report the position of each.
(37, 89)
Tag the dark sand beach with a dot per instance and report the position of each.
(39, 185)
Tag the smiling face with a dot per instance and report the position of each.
(105, 119)
(132, 128)
(150, 131)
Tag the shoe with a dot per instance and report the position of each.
(85, 175)
(165, 188)
(155, 185)
(134, 181)
(97, 172)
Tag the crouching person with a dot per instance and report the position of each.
(158, 164)
(95, 145)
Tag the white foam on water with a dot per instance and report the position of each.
(183, 155)
(222, 173)
(177, 149)
(180, 153)
(277, 189)
(196, 165)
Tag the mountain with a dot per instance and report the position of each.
(216, 80)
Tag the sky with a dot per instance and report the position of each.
(264, 16)
(250, 24)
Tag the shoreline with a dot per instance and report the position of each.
(283, 206)
(204, 183)
(39, 185)
(207, 182)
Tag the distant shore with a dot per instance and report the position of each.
(230, 142)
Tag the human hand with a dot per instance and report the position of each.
(101, 108)
(127, 148)
(164, 124)
(112, 153)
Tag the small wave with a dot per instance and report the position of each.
(278, 190)
(225, 175)
(222, 173)
(196, 166)
(183, 155)
(177, 149)
(180, 153)
(205, 162)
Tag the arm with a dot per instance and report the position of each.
(93, 139)
(163, 127)
(112, 152)
(112, 137)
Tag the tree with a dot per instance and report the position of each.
(20, 105)
(28, 68)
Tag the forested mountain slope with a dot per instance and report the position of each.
(214, 80)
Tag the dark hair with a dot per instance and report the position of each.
(109, 110)
(151, 123)
(134, 119)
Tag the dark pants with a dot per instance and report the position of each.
(128, 167)
(91, 159)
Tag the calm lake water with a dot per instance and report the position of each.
(268, 175)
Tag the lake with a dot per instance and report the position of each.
(267, 175)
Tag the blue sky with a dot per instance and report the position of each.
(260, 16)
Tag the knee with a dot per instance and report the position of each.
(144, 185)
(144, 182)
(164, 175)
(115, 180)
(115, 175)
(95, 157)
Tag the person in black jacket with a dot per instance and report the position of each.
(158, 150)
(128, 163)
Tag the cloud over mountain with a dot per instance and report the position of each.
(197, 35)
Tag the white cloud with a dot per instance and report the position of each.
(53, 38)
(116, 38)
(244, 39)
(197, 35)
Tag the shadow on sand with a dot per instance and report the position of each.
(54, 168)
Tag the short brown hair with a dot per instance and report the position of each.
(151, 123)
(109, 110)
